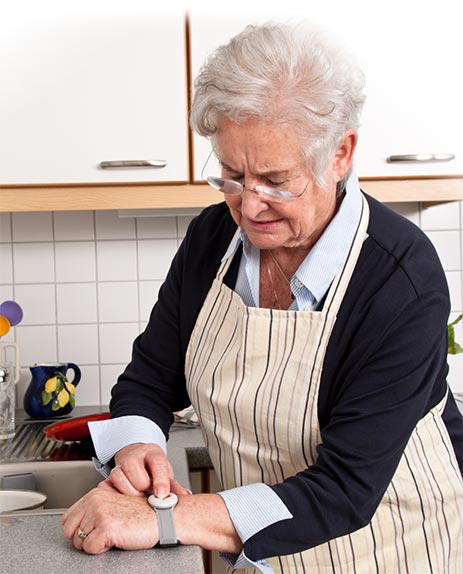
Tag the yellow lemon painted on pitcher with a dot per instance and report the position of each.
(50, 384)
(70, 387)
(63, 398)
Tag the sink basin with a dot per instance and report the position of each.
(62, 470)
(63, 482)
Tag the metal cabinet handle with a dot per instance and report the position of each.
(418, 157)
(157, 163)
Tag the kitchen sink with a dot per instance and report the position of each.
(61, 470)
(63, 482)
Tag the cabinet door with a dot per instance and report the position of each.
(410, 53)
(88, 82)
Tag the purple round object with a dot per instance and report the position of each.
(12, 311)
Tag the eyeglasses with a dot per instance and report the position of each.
(231, 187)
(234, 188)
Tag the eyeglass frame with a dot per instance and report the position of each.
(218, 183)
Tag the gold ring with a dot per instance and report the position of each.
(82, 535)
(117, 466)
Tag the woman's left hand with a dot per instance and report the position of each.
(105, 518)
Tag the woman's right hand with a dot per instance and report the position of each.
(143, 468)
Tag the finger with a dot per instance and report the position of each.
(136, 473)
(80, 535)
(121, 482)
(96, 543)
(90, 541)
(71, 520)
(72, 517)
(177, 488)
(128, 451)
(71, 510)
(160, 471)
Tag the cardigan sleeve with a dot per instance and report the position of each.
(365, 435)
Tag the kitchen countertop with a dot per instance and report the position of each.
(35, 544)
(33, 541)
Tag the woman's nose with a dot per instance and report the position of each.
(251, 202)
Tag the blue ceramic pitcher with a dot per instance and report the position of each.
(50, 393)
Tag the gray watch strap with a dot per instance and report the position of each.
(164, 508)
(166, 525)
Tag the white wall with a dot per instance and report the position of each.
(87, 282)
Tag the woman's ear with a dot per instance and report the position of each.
(345, 153)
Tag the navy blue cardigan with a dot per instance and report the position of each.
(384, 368)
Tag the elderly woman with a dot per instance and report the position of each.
(306, 324)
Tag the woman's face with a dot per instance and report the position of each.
(258, 153)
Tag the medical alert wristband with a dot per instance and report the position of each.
(164, 508)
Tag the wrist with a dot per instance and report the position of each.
(203, 520)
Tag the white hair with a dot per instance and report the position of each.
(281, 73)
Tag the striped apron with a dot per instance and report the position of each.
(253, 377)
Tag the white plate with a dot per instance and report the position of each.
(11, 500)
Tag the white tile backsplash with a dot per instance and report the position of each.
(34, 262)
(118, 301)
(5, 228)
(78, 344)
(155, 257)
(36, 226)
(148, 296)
(454, 282)
(117, 260)
(108, 377)
(37, 344)
(6, 263)
(39, 300)
(6, 293)
(76, 303)
(75, 261)
(440, 216)
(110, 226)
(87, 282)
(88, 389)
(22, 385)
(156, 227)
(116, 341)
(447, 244)
(74, 225)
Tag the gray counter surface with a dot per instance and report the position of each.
(34, 542)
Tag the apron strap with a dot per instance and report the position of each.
(339, 285)
(225, 264)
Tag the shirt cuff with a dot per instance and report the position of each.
(111, 435)
(242, 561)
(252, 508)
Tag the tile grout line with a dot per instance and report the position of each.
(57, 345)
(97, 295)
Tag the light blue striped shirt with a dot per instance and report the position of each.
(256, 506)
